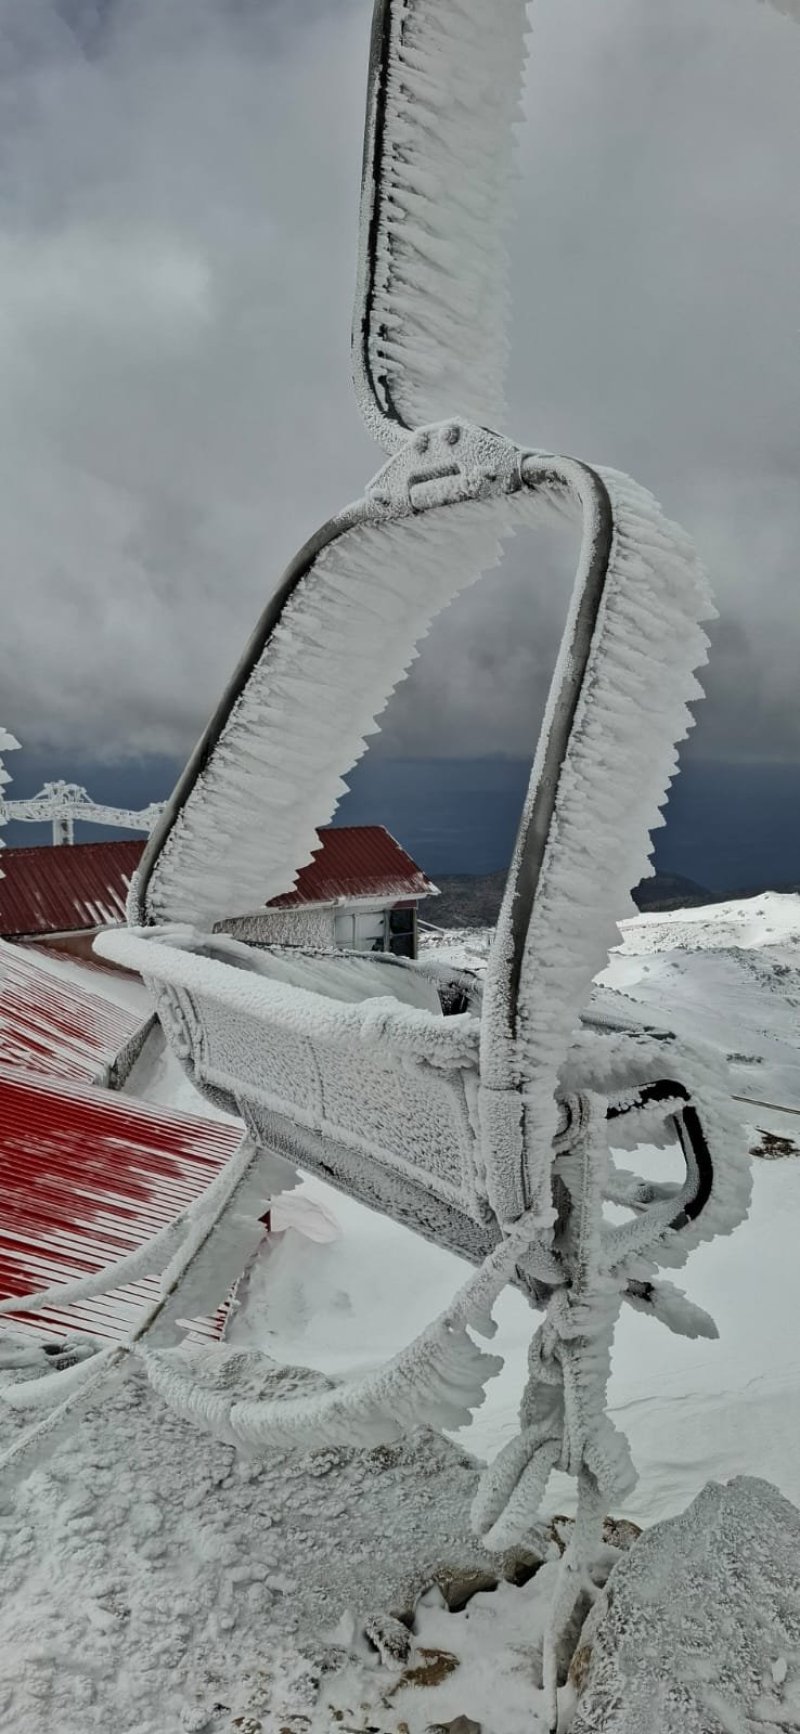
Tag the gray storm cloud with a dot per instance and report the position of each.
(178, 199)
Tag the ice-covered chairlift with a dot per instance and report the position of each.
(461, 1126)
(445, 1123)
(485, 1128)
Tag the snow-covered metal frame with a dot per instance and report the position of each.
(429, 329)
(8, 744)
(488, 1130)
(470, 1118)
(61, 804)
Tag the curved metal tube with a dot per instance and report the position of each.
(429, 320)
(379, 411)
(527, 861)
(533, 473)
(691, 1137)
(299, 567)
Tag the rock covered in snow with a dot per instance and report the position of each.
(698, 1628)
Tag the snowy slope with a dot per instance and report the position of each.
(727, 974)
(730, 975)
(748, 923)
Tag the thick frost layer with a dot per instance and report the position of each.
(433, 296)
(613, 1064)
(632, 708)
(335, 975)
(374, 1021)
(345, 639)
(697, 1631)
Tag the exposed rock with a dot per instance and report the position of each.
(459, 1725)
(458, 1584)
(459, 1587)
(618, 1532)
(390, 1638)
(430, 1668)
(773, 1145)
(698, 1628)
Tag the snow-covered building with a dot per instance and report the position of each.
(361, 892)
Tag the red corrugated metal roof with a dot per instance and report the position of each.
(52, 1026)
(86, 1177)
(70, 888)
(65, 889)
(357, 861)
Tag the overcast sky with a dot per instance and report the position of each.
(178, 199)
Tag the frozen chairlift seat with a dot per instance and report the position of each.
(485, 1129)
(481, 1121)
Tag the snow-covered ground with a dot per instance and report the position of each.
(157, 1586)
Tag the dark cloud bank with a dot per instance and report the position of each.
(178, 199)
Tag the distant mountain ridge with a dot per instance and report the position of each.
(735, 828)
(474, 899)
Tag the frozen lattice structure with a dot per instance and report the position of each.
(8, 744)
(484, 1120)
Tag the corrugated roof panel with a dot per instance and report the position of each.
(53, 1026)
(66, 888)
(87, 1177)
(72, 888)
(357, 861)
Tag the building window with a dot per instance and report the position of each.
(392, 930)
(402, 932)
